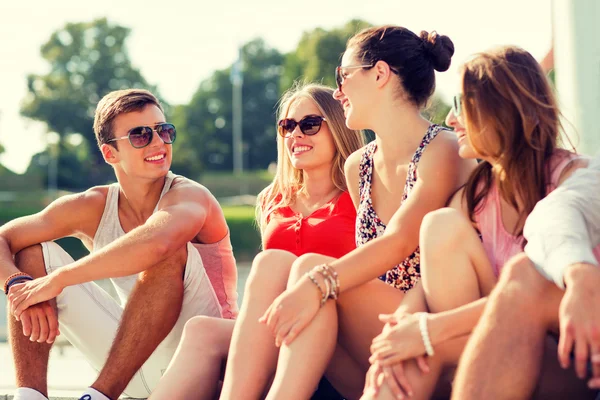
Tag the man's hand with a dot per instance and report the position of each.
(24, 295)
(40, 323)
(579, 317)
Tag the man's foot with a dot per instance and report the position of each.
(24, 393)
(93, 394)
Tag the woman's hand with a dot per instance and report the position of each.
(292, 311)
(400, 340)
(393, 376)
(24, 295)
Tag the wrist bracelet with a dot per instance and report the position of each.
(323, 293)
(13, 278)
(425, 334)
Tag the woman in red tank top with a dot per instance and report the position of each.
(306, 209)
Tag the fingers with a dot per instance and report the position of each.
(422, 364)
(53, 331)
(387, 318)
(394, 378)
(35, 325)
(581, 357)
(44, 329)
(26, 324)
(594, 383)
(294, 332)
(282, 332)
(565, 345)
(370, 386)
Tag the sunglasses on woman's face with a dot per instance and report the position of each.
(309, 125)
(339, 75)
(457, 105)
(141, 136)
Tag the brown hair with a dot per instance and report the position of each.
(289, 180)
(116, 103)
(508, 100)
(414, 58)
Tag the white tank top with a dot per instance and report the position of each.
(216, 258)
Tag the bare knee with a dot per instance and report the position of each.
(306, 263)
(520, 273)
(444, 228)
(207, 334)
(31, 261)
(270, 268)
(169, 269)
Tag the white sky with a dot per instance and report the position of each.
(203, 36)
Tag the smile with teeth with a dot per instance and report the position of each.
(155, 158)
(301, 149)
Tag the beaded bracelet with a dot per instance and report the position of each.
(11, 280)
(323, 293)
(425, 334)
(331, 276)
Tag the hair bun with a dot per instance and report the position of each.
(439, 49)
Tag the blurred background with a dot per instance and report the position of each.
(219, 69)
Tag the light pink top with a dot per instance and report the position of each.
(500, 245)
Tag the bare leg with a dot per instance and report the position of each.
(253, 354)
(31, 358)
(504, 357)
(302, 364)
(151, 312)
(196, 367)
(455, 271)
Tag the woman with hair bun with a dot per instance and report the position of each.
(506, 116)
(326, 319)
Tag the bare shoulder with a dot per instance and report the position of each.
(441, 153)
(353, 161)
(186, 189)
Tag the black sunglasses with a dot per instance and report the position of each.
(309, 125)
(141, 136)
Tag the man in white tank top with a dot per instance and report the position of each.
(147, 234)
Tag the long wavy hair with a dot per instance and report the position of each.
(512, 117)
(289, 181)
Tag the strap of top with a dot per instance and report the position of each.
(365, 172)
(411, 176)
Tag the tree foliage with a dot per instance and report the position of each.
(86, 60)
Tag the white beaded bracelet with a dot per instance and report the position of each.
(425, 334)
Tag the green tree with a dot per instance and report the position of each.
(207, 119)
(87, 60)
(318, 53)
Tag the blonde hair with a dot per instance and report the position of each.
(288, 181)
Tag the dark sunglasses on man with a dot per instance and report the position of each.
(141, 136)
(309, 125)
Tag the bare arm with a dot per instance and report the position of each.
(180, 216)
(438, 179)
(351, 168)
(72, 215)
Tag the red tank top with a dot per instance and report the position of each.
(329, 230)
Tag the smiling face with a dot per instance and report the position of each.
(308, 152)
(465, 149)
(152, 161)
(356, 94)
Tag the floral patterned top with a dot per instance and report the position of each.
(369, 226)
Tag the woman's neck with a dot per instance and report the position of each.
(399, 130)
(318, 184)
